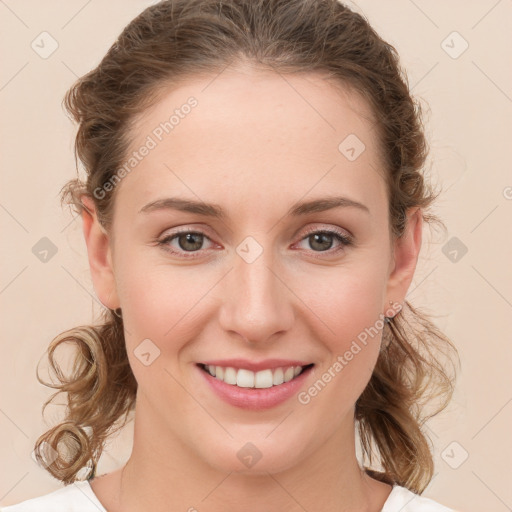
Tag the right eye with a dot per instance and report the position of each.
(187, 241)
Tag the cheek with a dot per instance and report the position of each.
(159, 301)
(346, 300)
(349, 303)
(351, 309)
(160, 306)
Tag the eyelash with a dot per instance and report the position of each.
(344, 240)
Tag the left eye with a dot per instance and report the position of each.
(192, 241)
(321, 238)
(188, 241)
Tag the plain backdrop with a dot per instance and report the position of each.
(457, 56)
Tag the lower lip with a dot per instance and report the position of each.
(253, 398)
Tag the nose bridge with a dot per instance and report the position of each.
(257, 303)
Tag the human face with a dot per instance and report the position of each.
(255, 284)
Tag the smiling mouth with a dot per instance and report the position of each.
(242, 378)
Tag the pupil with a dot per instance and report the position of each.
(189, 237)
(320, 236)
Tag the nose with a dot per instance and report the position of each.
(256, 300)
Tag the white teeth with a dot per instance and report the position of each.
(288, 374)
(247, 379)
(229, 375)
(278, 377)
(263, 379)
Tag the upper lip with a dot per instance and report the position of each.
(256, 366)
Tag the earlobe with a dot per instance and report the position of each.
(99, 255)
(406, 253)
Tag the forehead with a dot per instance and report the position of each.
(255, 132)
(255, 100)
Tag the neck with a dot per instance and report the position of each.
(163, 474)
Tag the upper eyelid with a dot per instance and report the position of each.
(204, 231)
(306, 233)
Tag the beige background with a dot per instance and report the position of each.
(469, 127)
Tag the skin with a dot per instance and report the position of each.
(256, 144)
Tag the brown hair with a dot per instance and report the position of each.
(175, 39)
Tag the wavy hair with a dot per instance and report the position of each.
(176, 39)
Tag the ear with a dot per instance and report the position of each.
(405, 258)
(100, 255)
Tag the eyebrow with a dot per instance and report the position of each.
(216, 211)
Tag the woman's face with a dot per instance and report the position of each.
(256, 283)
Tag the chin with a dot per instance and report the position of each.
(258, 457)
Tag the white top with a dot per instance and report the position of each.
(79, 497)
